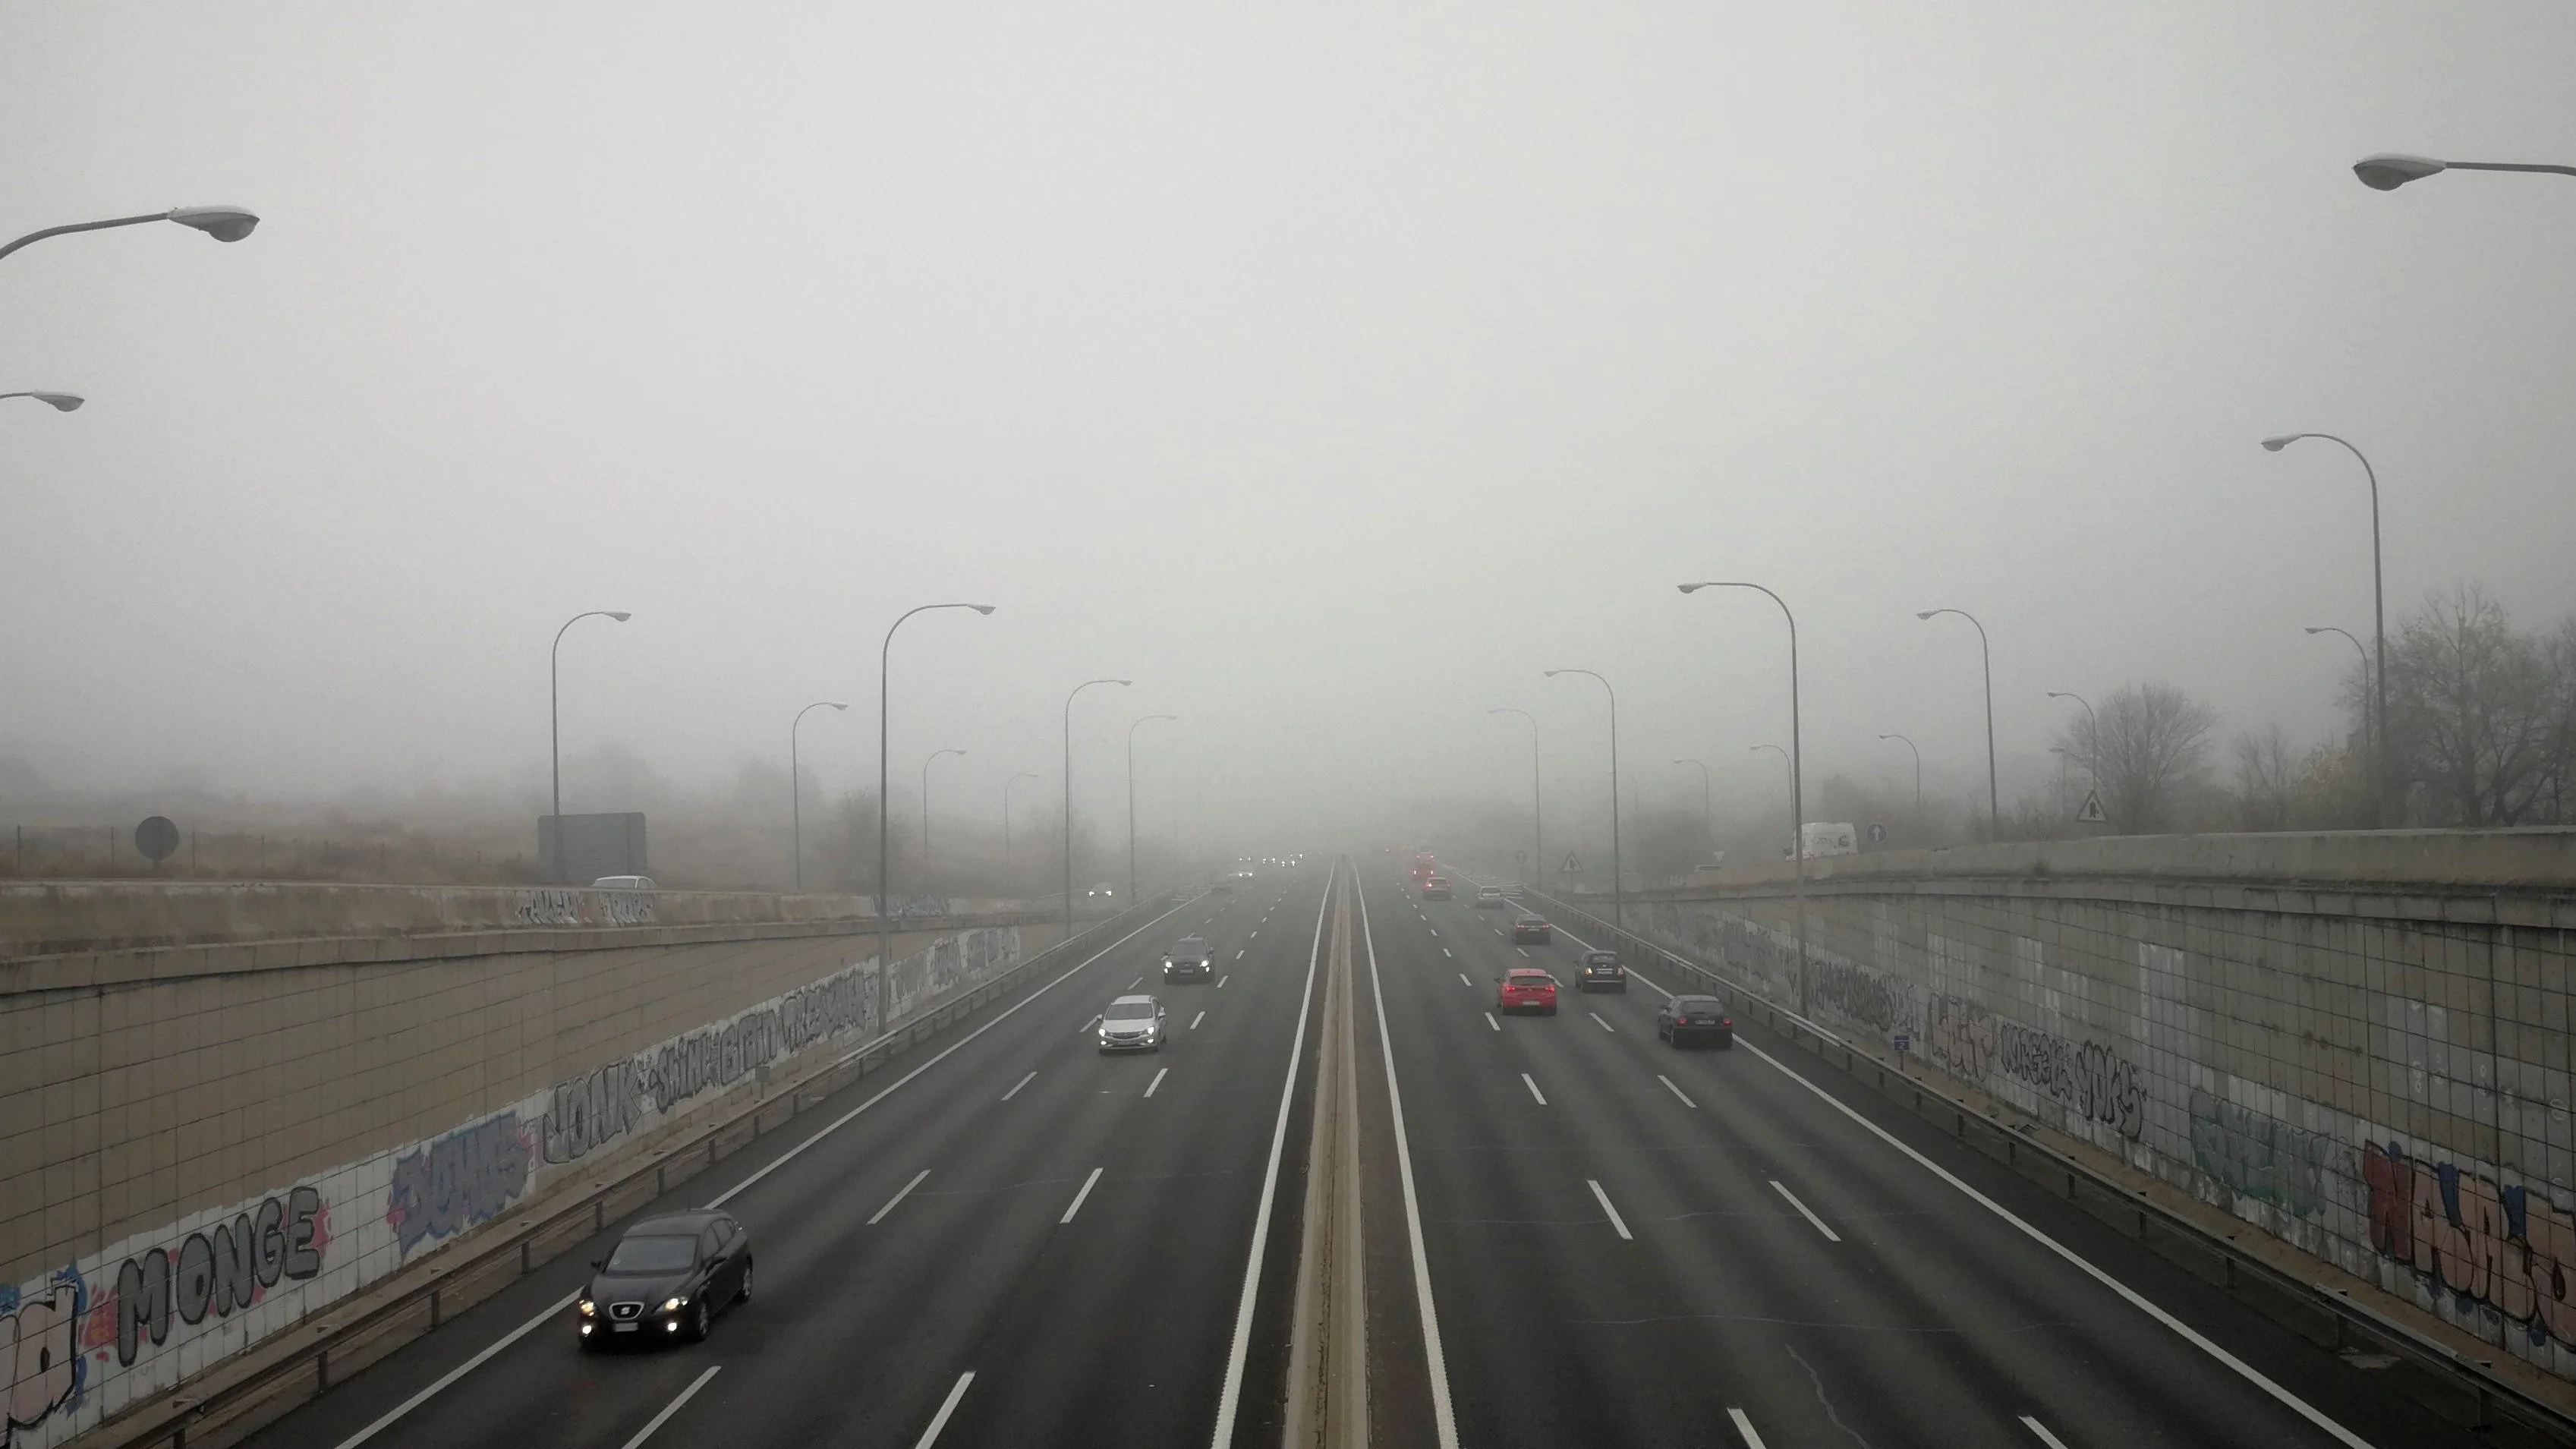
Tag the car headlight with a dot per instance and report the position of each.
(673, 1305)
(588, 1308)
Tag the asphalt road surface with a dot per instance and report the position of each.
(1079, 1245)
(1634, 1245)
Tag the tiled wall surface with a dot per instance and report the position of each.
(2380, 1079)
(203, 1145)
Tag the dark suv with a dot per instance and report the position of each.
(1192, 957)
(1602, 969)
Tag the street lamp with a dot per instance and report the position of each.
(554, 697)
(61, 402)
(1994, 796)
(2368, 732)
(1131, 800)
(2378, 602)
(1538, 817)
(1707, 805)
(885, 801)
(1918, 773)
(2092, 741)
(925, 811)
(1007, 874)
(1618, 876)
(223, 223)
(1797, 776)
(1068, 794)
(2389, 169)
(796, 792)
(1796, 845)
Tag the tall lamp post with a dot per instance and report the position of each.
(925, 810)
(1007, 873)
(1538, 818)
(795, 790)
(885, 801)
(61, 402)
(1068, 794)
(1797, 846)
(1618, 875)
(2378, 590)
(1707, 797)
(2369, 731)
(2092, 741)
(554, 703)
(1797, 774)
(1131, 800)
(1918, 772)
(223, 223)
(1994, 795)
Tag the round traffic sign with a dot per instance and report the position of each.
(156, 838)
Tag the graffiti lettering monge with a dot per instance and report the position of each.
(2507, 1250)
(217, 1272)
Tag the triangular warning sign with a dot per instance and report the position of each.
(1571, 863)
(2092, 814)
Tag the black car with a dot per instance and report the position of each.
(1686, 1019)
(1602, 969)
(1191, 956)
(666, 1279)
(1532, 928)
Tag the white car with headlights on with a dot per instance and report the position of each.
(1132, 1024)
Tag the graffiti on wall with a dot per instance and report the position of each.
(40, 1351)
(2085, 1077)
(2505, 1248)
(585, 908)
(2259, 1155)
(457, 1181)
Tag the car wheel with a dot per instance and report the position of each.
(698, 1322)
(743, 1293)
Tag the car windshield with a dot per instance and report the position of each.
(655, 1254)
(1128, 1011)
(1190, 946)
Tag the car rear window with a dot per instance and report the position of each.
(1536, 978)
(1695, 1003)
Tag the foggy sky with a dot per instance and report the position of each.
(1328, 369)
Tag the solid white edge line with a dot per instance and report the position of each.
(1087, 1184)
(461, 1370)
(1443, 1418)
(1534, 1091)
(1676, 1091)
(1805, 1212)
(1229, 1398)
(1159, 1073)
(947, 1407)
(1605, 1026)
(899, 1197)
(1489, 1021)
(2045, 1437)
(673, 1407)
(2135, 1299)
(1744, 1426)
(1616, 1221)
(1015, 1089)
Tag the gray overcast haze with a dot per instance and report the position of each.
(1330, 369)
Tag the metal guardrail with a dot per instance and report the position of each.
(2352, 1324)
(220, 1412)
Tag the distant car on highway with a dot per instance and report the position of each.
(1101, 892)
(1132, 1024)
(1223, 884)
(623, 883)
(1190, 956)
(1525, 989)
(1490, 898)
(666, 1279)
(1532, 928)
(1602, 969)
(1436, 888)
(1686, 1019)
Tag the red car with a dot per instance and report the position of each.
(1523, 989)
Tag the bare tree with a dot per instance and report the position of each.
(2149, 756)
(2266, 778)
(2477, 713)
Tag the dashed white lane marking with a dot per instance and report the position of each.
(1744, 1426)
(1444, 951)
(1220, 982)
(1078, 1197)
(673, 1407)
(1158, 1081)
(1435, 931)
(1255, 936)
(1524, 950)
(1238, 955)
(907, 1192)
(2045, 1437)
(1489, 1021)
(1526, 1082)
(1605, 1026)
(1015, 1087)
(1615, 1220)
(1804, 1211)
(1086, 1026)
(1139, 981)
(947, 1407)
(1676, 1091)
(1463, 981)
(1195, 1020)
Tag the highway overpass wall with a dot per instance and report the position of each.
(206, 1142)
(2358, 1043)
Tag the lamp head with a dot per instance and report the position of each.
(1122, 681)
(981, 608)
(836, 704)
(2314, 630)
(1691, 588)
(1887, 737)
(620, 615)
(2389, 169)
(1927, 613)
(61, 402)
(2059, 694)
(223, 223)
(2274, 445)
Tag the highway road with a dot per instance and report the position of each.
(1629, 1244)
(1072, 1231)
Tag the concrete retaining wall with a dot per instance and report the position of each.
(204, 1144)
(2357, 1043)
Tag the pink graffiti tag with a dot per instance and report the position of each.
(2504, 1247)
